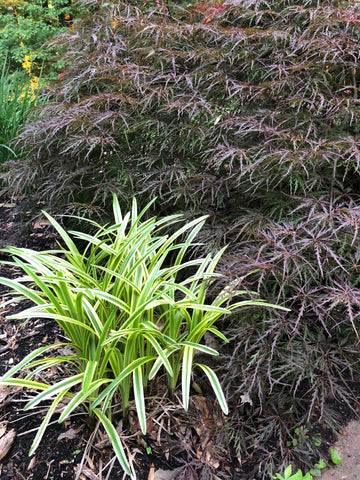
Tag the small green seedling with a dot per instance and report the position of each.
(316, 470)
(335, 457)
(289, 476)
(301, 437)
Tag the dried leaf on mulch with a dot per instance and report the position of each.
(166, 474)
(5, 443)
(69, 435)
(6, 392)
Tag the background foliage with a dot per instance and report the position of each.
(18, 95)
(26, 25)
(249, 113)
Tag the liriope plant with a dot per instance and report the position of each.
(126, 315)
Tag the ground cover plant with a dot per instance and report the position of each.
(126, 316)
(248, 113)
(288, 475)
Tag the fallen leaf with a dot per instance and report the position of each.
(149, 426)
(41, 224)
(87, 473)
(89, 462)
(151, 472)
(166, 474)
(214, 463)
(31, 464)
(202, 403)
(246, 399)
(69, 435)
(2, 429)
(66, 351)
(5, 443)
(103, 444)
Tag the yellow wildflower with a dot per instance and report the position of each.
(27, 63)
(34, 83)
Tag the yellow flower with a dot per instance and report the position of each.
(21, 45)
(34, 83)
(27, 63)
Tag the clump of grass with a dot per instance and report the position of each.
(125, 312)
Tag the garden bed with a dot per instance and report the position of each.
(178, 445)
